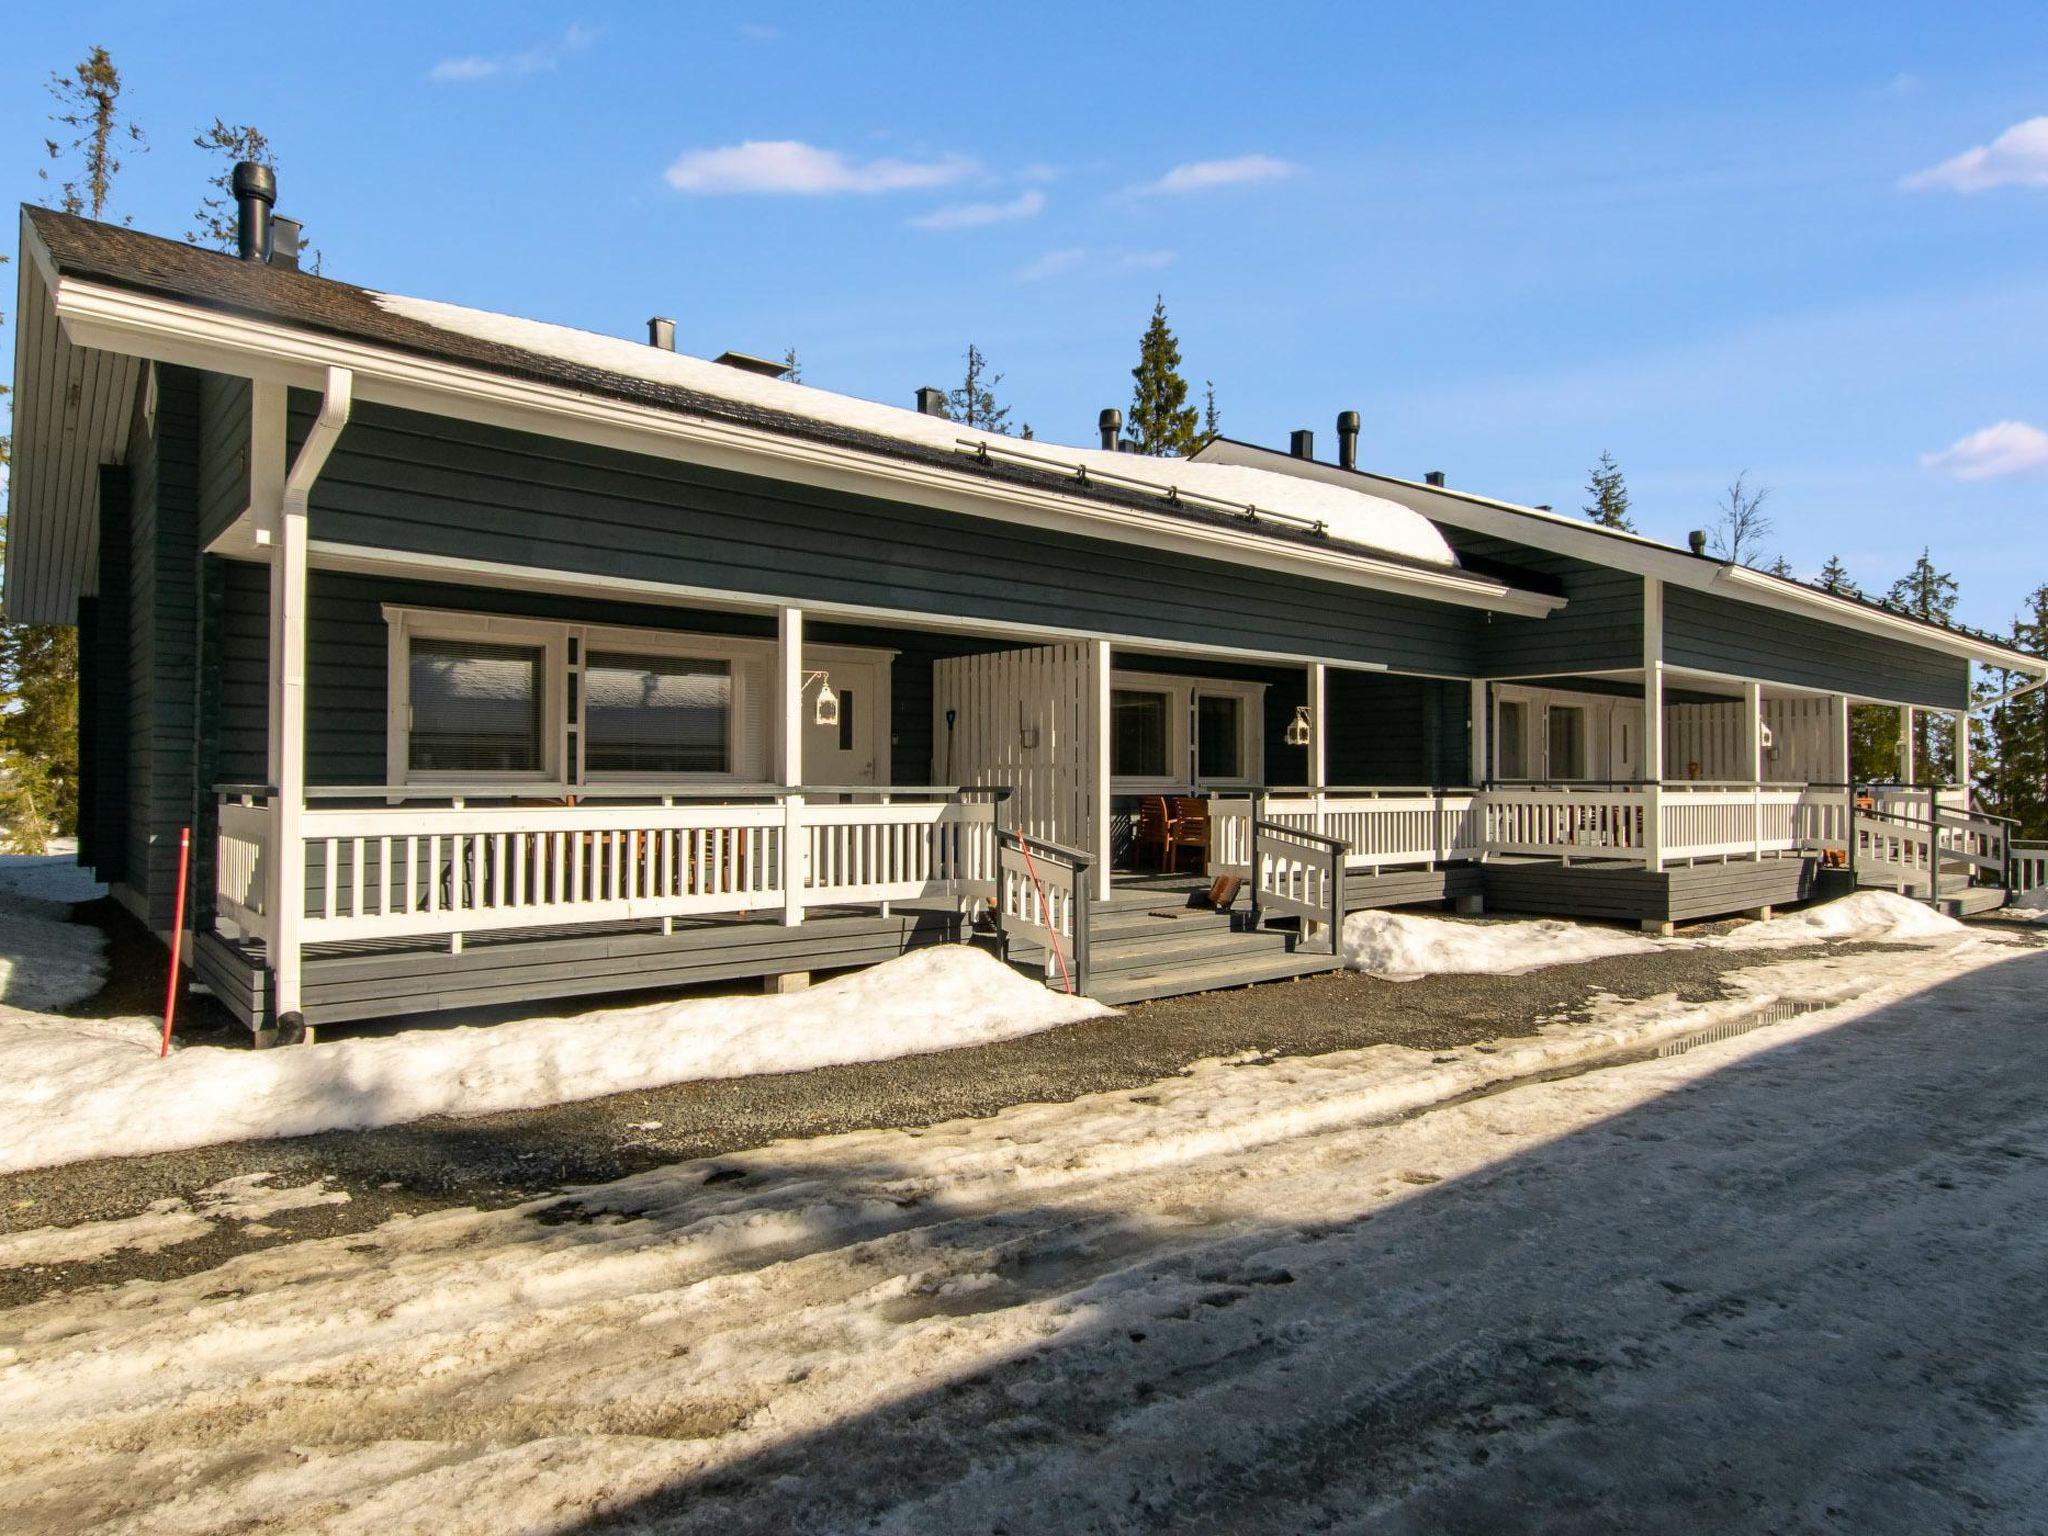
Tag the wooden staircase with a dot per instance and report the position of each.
(1159, 937)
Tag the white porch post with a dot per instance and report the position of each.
(1653, 722)
(1753, 758)
(1098, 764)
(1908, 769)
(1962, 718)
(1318, 738)
(1480, 769)
(789, 756)
(285, 518)
(1838, 721)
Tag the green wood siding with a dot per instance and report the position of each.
(1719, 634)
(223, 453)
(104, 804)
(1600, 627)
(438, 487)
(1398, 730)
(162, 631)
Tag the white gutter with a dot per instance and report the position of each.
(145, 325)
(2007, 698)
(337, 399)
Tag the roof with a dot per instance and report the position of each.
(1349, 524)
(1625, 550)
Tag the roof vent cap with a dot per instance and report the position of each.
(930, 401)
(661, 332)
(1698, 540)
(1301, 443)
(255, 189)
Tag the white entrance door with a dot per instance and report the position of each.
(855, 748)
(1625, 742)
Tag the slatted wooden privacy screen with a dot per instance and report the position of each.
(1022, 719)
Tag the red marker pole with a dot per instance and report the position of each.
(177, 939)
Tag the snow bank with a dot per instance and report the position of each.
(1403, 946)
(1351, 515)
(1871, 916)
(46, 960)
(71, 1090)
(2028, 906)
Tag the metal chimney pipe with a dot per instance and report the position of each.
(930, 401)
(661, 332)
(1302, 443)
(1110, 423)
(1434, 477)
(1347, 439)
(1698, 540)
(255, 188)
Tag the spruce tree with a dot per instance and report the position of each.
(1609, 506)
(1162, 422)
(1212, 420)
(1930, 594)
(792, 370)
(974, 403)
(1834, 577)
(2015, 779)
(89, 110)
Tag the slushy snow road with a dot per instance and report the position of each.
(1787, 1281)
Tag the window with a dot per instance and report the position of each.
(1566, 728)
(1511, 752)
(1219, 736)
(476, 707)
(656, 714)
(1138, 721)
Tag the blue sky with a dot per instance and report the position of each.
(1801, 241)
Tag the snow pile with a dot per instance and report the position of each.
(70, 1091)
(1350, 515)
(46, 960)
(1867, 916)
(2028, 906)
(1401, 946)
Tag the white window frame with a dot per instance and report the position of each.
(407, 624)
(563, 740)
(1595, 712)
(1181, 694)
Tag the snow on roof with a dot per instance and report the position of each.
(1352, 516)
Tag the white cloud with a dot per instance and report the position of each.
(528, 61)
(2006, 448)
(792, 168)
(1201, 175)
(760, 32)
(2018, 157)
(1025, 205)
(1078, 258)
(1904, 83)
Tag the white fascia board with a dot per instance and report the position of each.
(145, 325)
(1623, 551)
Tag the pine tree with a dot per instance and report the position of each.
(2013, 776)
(792, 370)
(974, 403)
(214, 222)
(1212, 420)
(38, 733)
(1609, 506)
(89, 108)
(1162, 422)
(1873, 743)
(1926, 593)
(1834, 577)
(1780, 567)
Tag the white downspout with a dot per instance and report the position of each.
(287, 894)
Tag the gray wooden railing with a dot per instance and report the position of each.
(1043, 892)
(1296, 873)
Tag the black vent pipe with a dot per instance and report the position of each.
(255, 188)
(1347, 439)
(1109, 423)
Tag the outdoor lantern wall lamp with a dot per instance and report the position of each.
(1299, 733)
(828, 701)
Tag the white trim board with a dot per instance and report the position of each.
(364, 560)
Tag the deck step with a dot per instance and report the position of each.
(1175, 981)
(1156, 923)
(1105, 960)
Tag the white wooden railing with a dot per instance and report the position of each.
(1392, 829)
(382, 871)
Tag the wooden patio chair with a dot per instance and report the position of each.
(1158, 831)
(1191, 819)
